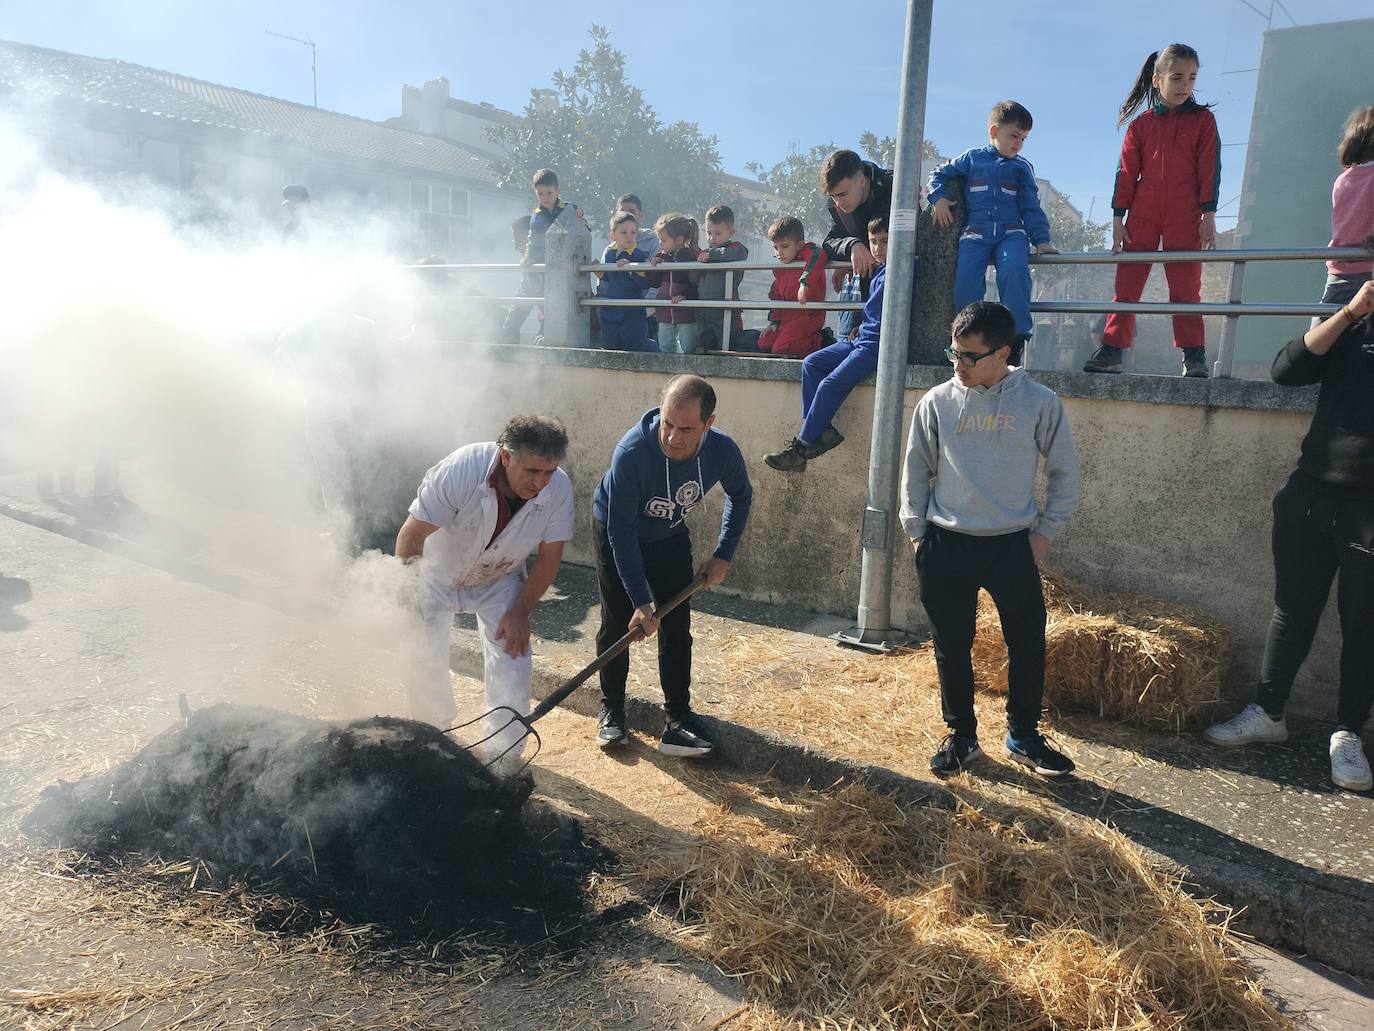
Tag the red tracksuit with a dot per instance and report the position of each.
(795, 334)
(1168, 175)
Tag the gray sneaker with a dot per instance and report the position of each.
(1252, 724)
(1195, 363)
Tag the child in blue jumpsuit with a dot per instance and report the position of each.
(1004, 217)
(828, 375)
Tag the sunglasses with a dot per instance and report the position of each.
(966, 357)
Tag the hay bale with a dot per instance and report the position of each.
(848, 910)
(1139, 660)
(383, 812)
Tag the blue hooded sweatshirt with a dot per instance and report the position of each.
(645, 497)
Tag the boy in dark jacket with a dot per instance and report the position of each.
(792, 333)
(623, 329)
(721, 245)
(549, 207)
(857, 192)
(1324, 529)
(831, 373)
(1002, 203)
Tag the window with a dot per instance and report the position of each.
(441, 215)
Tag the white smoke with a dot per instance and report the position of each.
(131, 338)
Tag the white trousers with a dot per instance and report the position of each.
(507, 679)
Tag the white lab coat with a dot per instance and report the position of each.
(462, 572)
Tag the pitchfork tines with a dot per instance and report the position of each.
(486, 747)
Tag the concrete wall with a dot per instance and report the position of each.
(1178, 477)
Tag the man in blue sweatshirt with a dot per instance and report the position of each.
(828, 375)
(660, 471)
(969, 507)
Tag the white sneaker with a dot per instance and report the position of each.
(1250, 724)
(1349, 767)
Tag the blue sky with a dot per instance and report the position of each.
(762, 75)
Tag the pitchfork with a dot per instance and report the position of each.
(552, 701)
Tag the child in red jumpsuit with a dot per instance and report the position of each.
(1167, 179)
(794, 334)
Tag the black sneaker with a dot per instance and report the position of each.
(791, 459)
(956, 752)
(827, 336)
(831, 438)
(1104, 359)
(1195, 362)
(685, 738)
(1035, 752)
(610, 727)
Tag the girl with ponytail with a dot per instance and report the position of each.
(677, 327)
(1165, 196)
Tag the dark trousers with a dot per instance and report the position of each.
(951, 567)
(668, 568)
(1319, 536)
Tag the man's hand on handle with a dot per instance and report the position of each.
(713, 571)
(643, 618)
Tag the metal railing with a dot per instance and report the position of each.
(1232, 309)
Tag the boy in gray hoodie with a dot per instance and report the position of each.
(969, 507)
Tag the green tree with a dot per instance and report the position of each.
(604, 139)
(796, 180)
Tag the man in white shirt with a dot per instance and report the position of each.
(477, 517)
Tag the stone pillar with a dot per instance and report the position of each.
(567, 245)
(932, 311)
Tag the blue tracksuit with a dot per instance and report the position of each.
(623, 329)
(828, 375)
(645, 497)
(1003, 205)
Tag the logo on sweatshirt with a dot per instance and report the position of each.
(659, 508)
(986, 424)
(688, 494)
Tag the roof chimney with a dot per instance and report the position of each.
(433, 105)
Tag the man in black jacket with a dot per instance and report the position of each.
(858, 191)
(1324, 527)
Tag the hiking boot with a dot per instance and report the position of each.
(956, 752)
(1034, 752)
(1349, 767)
(1249, 725)
(831, 438)
(791, 459)
(1104, 359)
(684, 737)
(610, 727)
(1195, 362)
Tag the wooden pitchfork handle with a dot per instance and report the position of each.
(605, 658)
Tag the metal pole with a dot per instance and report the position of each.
(880, 527)
(1226, 359)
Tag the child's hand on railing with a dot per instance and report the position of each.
(703, 255)
(801, 294)
(622, 261)
(676, 298)
(656, 258)
(1046, 248)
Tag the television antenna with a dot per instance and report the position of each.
(308, 42)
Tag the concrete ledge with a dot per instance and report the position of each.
(1255, 395)
(1277, 902)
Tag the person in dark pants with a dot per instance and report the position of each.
(662, 469)
(969, 507)
(1324, 531)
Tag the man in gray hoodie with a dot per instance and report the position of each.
(969, 507)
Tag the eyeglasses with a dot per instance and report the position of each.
(966, 357)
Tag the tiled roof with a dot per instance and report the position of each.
(98, 80)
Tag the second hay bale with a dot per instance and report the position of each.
(1135, 659)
